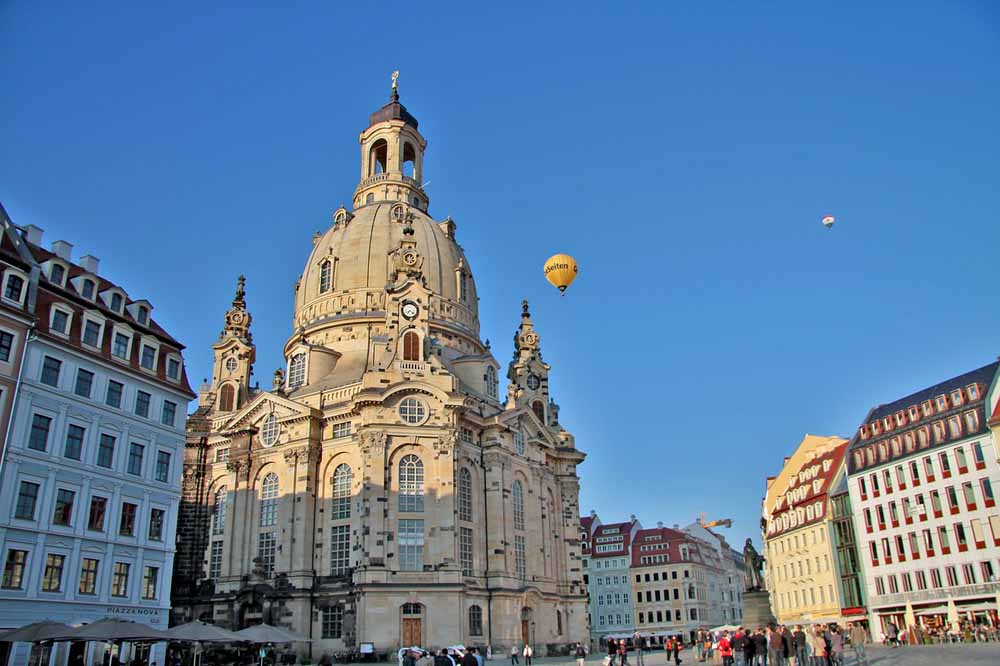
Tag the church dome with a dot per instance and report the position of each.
(351, 264)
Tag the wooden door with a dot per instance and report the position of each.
(524, 632)
(411, 631)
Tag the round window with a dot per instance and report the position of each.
(230, 364)
(412, 411)
(269, 431)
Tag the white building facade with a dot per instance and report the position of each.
(90, 481)
(923, 474)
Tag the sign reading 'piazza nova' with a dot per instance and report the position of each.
(804, 502)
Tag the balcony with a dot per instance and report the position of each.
(414, 366)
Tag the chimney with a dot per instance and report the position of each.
(593, 514)
(33, 234)
(659, 523)
(90, 263)
(676, 526)
(62, 249)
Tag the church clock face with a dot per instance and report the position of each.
(410, 310)
(534, 382)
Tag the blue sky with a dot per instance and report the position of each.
(684, 153)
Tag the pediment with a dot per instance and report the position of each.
(267, 403)
(510, 419)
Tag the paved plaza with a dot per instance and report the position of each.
(928, 655)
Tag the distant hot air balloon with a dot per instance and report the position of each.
(561, 270)
(828, 221)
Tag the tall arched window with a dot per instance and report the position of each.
(378, 157)
(517, 494)
(491, 382)
(411, 484)
(475, 621)
(342, 478)
(411, 346)
(559, 628)
(539, 409)
(325, 272)
(465, 495)
(269, 500)
(297, 371)
(219, 511)
(227, 396)
(409, 160)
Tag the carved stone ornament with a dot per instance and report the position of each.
(279, 379)
(373, 443)
(300, 454)
(239, 468)
(447, 443)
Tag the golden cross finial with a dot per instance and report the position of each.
(395, 78)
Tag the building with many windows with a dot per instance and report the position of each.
(923, 471)
(385, 490)
(801, 568)
(90, 480)
(845, 547)
(725, 589)
(675, 579)
(611, 611)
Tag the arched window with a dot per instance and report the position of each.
(517, 494)
(491, 382)
(370, 198)
(559, 629)
(409, 160)
(411, 484)
(464, 495)
(475, 621)
(227, 396)
(539, 409)
(269, 500)
(411, 346)
(297, 371)
(342, 478)
(378, 157)
(219, 511)
(325, 272)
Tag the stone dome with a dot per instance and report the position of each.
(359, 252)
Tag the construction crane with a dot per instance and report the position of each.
(725, 522)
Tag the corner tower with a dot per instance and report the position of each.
(235, 354)
(392, 157)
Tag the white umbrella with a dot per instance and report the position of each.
(953, 615)
(113, 629)
(202, 632)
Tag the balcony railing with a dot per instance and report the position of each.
(413, 366)
(379, 177)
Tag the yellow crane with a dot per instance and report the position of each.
(725, 522)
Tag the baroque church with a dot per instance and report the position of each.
(384, 490)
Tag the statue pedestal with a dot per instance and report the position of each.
(757, 609)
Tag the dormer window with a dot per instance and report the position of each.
(942, 403)
(876, 428)
(914, 413)
(973, 391)
(865, 432)
(927, 407)
(87, 289)
(147, 359)
(887, 423)
(173, 368)
(900, 418)
(956, 397)
(116, 302)
(56, 274)
(13, 289)
(142, 315)
(972, 421)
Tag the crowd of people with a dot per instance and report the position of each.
(819, 645)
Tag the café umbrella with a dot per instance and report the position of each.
(199, 632)
(266, 633)
(114, 629)
(36, 632)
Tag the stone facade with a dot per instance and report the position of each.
(383, 491)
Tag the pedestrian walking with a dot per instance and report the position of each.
(513, 655)
(678, 646)
(581, 654)
(858, 637)
(637, 641)
(612, 651)
(622, 653)
(528, 652)
(836, 646)
(699, 646)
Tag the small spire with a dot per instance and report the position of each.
(524, 309)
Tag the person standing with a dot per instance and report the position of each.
(581, 654)
(513, 655)
(748, 649)
(737, 642)
(836, 646)
(726, 649)
(612, 651)
(818, 645)
(528, 652)
(637, 642)
(859, 640)
(699, 639)
(622, 653)
(799, 645)
(760, 648)
(469, 658)
(678, 646)
(775, 647)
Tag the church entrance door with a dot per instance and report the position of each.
(412, 631)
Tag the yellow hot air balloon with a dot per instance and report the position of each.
(561, 270)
